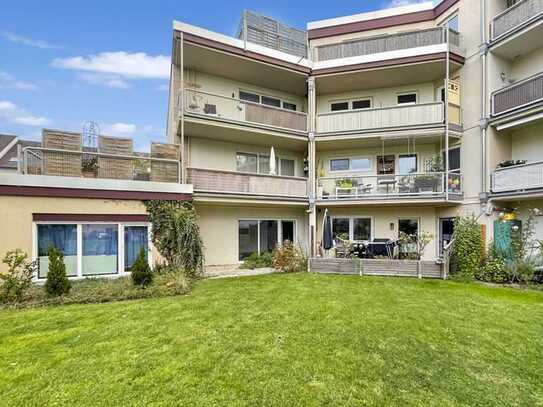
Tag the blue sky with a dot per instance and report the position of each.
(66, 62)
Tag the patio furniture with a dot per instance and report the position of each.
(345, 192)
(343, 249)
(387, 182)
(113, 167)
(61, 163)
(165, 171)
(365, 189)
(382, 248)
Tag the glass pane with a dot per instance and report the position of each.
(407, 164)
(287, 167)
(340, 106)
(246, 162)
(248, 238)
(341, 164)
(362, 104)
(100, 246)
(409, 226)
(361, 164)
(271, 101)
(385, 165)
(64, 239)
(289, 106)
(340, 227)
(135, 239)
(409, 98)
(453, 23)
(250, 97)
(263, 164)
(287, 230)
(362, 229)
(268, 235)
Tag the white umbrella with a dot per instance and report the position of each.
(272, 162)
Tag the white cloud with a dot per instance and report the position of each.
(111, 81)
(19, 39)
(15, 114)
(119, 129)
(163, 88)
(8, 81)
(137, 65)
(402, 3)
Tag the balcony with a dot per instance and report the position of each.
(424, 114)
(390, 187)
(225, 109)
(519, 178)
(247, 184)
(521, 95)
(516, 16)
(390, 44)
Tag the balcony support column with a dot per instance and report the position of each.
(311, 156)
(447, 87)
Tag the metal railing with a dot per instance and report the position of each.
(381, 118)
(232, 182)
(90, 164)
(220, 107)
(518, 95)
(389, 186)
(388, 42)
(516, 15)
(518, 177)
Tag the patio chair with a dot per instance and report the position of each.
(65, 163)
(112, 167)
(165, 171)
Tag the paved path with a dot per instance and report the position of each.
(238, 273)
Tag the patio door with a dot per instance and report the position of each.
(446, 230)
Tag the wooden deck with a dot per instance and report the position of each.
(377, 267)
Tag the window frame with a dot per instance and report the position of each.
(279, 230)
(351, 226)
(350, 102)
(278, 159)
(405, 155)
(79, 230)
(350, 159)
(260, 95)
(398, 95)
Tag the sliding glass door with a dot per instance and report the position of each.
(262, 236)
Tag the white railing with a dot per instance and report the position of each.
(232, 182)
(220, 107)
(381, 118)
(388, 42)
(518, 95)
(388, 186)
(516, 15)
(90, 164)
(518, 177)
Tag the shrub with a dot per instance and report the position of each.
(289, 258)
(495, 269)
(257, 261)
(417, 241)
(468, 246)
(176, 235)
(18, 278)
(57, 282)
(141, 273)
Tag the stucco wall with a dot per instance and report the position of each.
(527, 143)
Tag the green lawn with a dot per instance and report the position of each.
(282, 340)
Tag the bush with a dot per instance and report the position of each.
(289, 258)
(468, 250)
(141, 273)
(495, 269)
(18, 278)
(257, 261)
(57, 282)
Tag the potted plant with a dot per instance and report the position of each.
(89, 166)
(511, 163)
(346, 183)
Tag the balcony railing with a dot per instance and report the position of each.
(384, 43)
(89, 164)
(381, 118)
(514, 16)
(424, 185)
(231, 182)
(240, 111)
(518, 178)
(518, 95)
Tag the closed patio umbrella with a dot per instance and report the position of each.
(327, 238)
(272, 162)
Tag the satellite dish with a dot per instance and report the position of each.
(91, 131)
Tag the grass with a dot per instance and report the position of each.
(283, 340)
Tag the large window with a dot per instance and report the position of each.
(357, 104)
(454, 159)
(262, 236)
(92, 249)
(350, 164)
(266, 100)
(407, 164)
(260, 164)
(354, 229)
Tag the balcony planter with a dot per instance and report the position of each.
(511, 163)
(89, 167)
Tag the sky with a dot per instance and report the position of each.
(66, 62)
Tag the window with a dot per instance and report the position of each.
(289, 106)
(262, 236)
(246, 162)
(263, 164)
(350, 164)
(64, 239)
(286, 167)
(271, 101)
(338, 106)
(454, 23)
(411, 228)
(341, 227)
(362, 104)
(355, 229)
(249, 97)
(407, 164)
(407, 99)
(454, 159)
(361, 229)
(92, 249)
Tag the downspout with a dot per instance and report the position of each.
(484, 95)
(447, 84)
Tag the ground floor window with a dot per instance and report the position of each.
(352, 229)
(92, 249)
(262, 236)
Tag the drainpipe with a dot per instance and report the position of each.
(447, 84)
(311, 152)
(484, 96)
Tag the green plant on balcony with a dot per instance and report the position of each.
(346, 183)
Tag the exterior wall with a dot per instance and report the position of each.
(219, 227)
(527, 143)
(218, 155)
(16, 216)
(527, 65)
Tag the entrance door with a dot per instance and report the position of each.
(446, 230)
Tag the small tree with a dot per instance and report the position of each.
(142, 275)
(18, 278)
(57, 281)
(468, 246)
